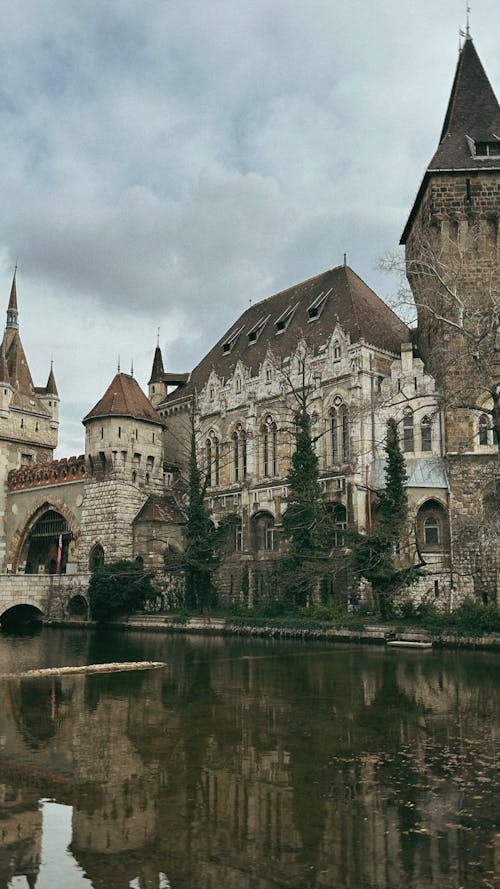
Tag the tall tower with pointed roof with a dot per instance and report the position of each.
(29, 414)
(452, 241)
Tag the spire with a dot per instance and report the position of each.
(472, 117)
(157, 372)
(51, 382)
(470, 138)
(12, 308)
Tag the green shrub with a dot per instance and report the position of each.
(119, 588)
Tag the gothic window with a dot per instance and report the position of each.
(338, 513)
(269, 374)
(432, 526)
(337, 352)
(234, 538)
(485, 436)
(238, 384)
(96, 557)
(426, 434)
(239, 441)
(269, 448)
(408, 433)
(339, 433)
(264, 532)
(212, 456)
(208, 470)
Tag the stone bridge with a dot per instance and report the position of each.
(54, 597)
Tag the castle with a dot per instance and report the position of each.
(332, 337)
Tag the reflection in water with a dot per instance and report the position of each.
(246, 765)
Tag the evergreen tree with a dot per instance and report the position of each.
(373, 554)
(306, 521)
(202, 542)
(392, 511)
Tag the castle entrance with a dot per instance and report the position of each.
(45, 550)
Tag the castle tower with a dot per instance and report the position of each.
(157, 387)
(452, 252)
(29, 414)
(452, 245)
(124, 453)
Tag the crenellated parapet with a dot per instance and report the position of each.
(40, 475)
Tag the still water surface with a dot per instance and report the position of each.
(248, 765)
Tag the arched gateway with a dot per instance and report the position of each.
(44, 541)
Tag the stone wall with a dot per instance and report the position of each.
(51, 594)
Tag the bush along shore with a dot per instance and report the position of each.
(471, 625)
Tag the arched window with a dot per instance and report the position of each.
(426, 434)
(338, 514)
(208, 469)
(96, 557)
(339, 433)
(264, 532)
(269, 448)
(432, 526)
(485, 436)
(212, 459)
(239, 445)
(408, 433)
(238, 384)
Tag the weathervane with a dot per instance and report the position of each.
(158, 336)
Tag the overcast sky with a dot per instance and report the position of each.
(166, 161)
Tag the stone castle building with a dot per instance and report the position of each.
(332, 338)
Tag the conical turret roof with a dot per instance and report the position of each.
(473, 113)
(51, 383)
(471, 123)
(124, 398)
(157, 371)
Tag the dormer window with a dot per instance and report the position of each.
(284, 319)
(316, 307)
(487, 149)
(255, 332)
(228, 346)
(238, 384)
(337, 351)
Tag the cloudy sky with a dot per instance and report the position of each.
(164, 162)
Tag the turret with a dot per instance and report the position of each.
(157, 386)
(50, 398)
(124, 436)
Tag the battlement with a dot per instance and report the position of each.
(40, 475)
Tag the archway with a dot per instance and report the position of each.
(20, 618)
(77, 606)
(45, 547)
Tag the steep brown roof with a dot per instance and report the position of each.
(348, 301)
(51, 387)
(124, 398)
(17, 364)
(161, 508)
(473, 113)
(13, 295)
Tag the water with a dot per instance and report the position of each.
(248, 765)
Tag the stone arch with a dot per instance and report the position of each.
(96, 556)
(78, 606)
(264, 533)
(21, 536)
(433, 530)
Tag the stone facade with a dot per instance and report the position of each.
(329, 341)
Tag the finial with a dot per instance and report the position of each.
(158, 336)
(132, 367)
(118, 364)
(345, 259)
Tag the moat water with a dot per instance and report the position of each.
(248, 765)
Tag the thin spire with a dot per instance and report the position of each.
(158, 336)
(51, 387)
(118, 365)
(12, 313)
(132, 367)
(467, 26)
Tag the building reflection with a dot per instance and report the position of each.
(342, 769)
